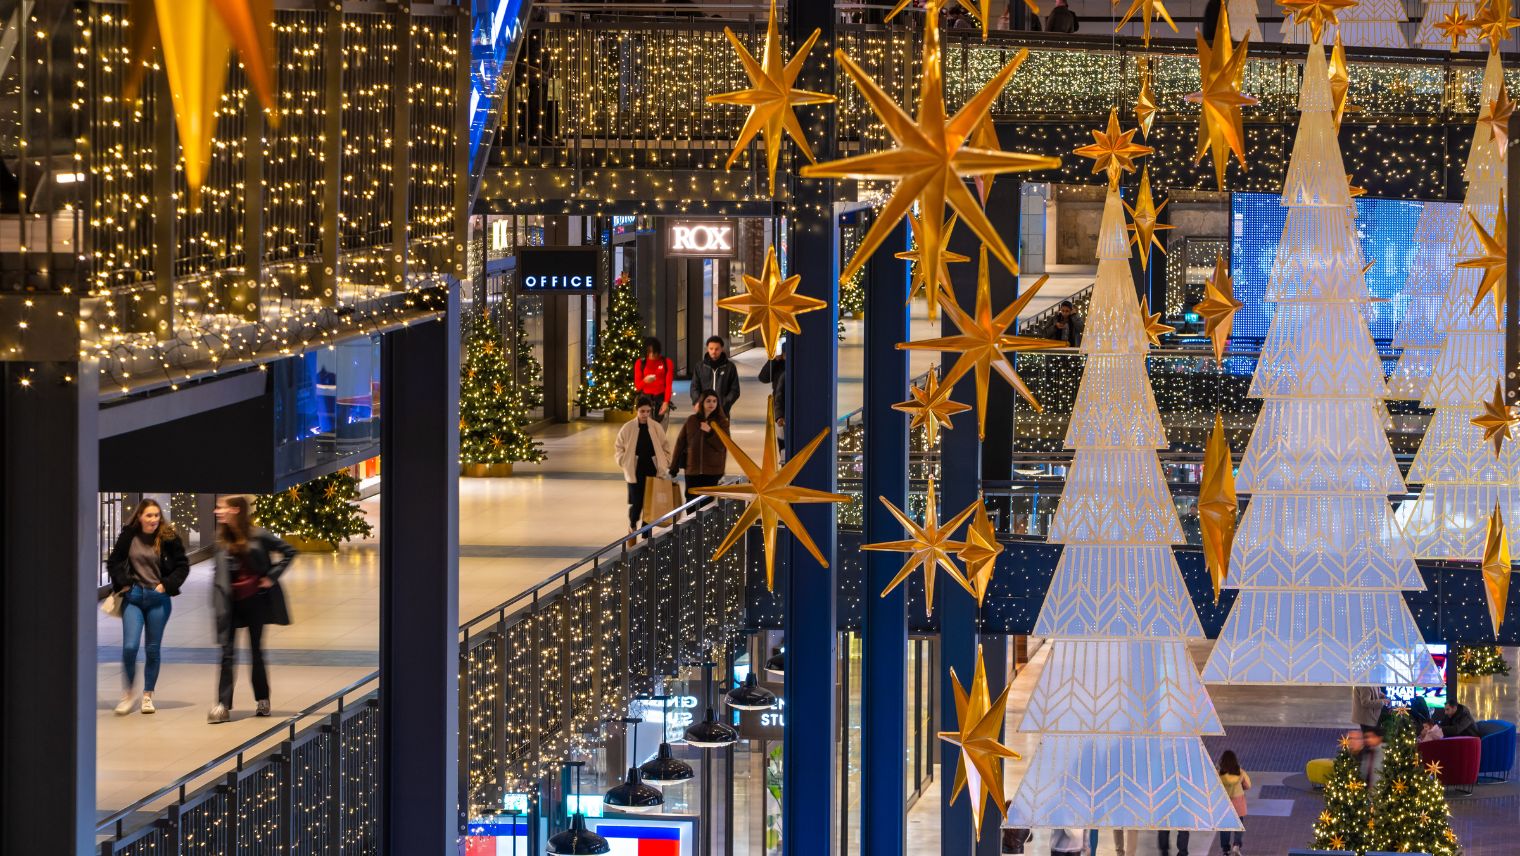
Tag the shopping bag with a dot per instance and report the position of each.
(113, 604)
(661, 496)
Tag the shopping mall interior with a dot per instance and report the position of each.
(759, 427)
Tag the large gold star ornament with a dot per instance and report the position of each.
(1145, 220)
(1495, 118)
(1318, 14)
(771, 98)
(982, 341)
(1340, 79)
(979, 719)
(1455, 26)
(1222, 69)
(928, 547)
(1218, 307)
(1148, 10)
(770, 494)
(1494, 262)
(931, 406)
(921, 275)
(1154, 329)
(1145, 99)
(931, 159)
(1113, 150)
(1494, 23)
(1217, 504)
(771, 304)
(1496, 568)
(981, 551)
(1498, 420)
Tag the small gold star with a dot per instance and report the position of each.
(1325, 816)
(294, 493)
(1495, 118)
(1450, 835)
(1337, 842)
(1145, 100)
(1148, 10)
(1456, 25)
(331, 490)
(498, 388)
(1433, 768)
(915, 255)
(931, 406)
(1498, 420)
(981, 551)
(1345, 742)
(1218, 307)
(978, 721)
(1145, 215)
(489, 346)
(1399, 787)
(1494, 262)
(928, 547)
(1317, 13)
(1114, 150)
(1154, 329)
(496, 442)
(1355, 785)
(1424, 818)
(1494, 23)
(1402, 710)
(771, 304)
(1496, 568)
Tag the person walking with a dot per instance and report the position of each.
(1065, 842)
(1061, 19)
(654, 377)
(716, 373)
(774, 373)
(1164, 841)
(147, 567)
(641, 453)
(1367, 705)
(1370, 759)
(1068, 324)
(1127, 842)
(698, 448)
(246, 594)
(1236, 783)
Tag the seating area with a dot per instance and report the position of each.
(1497, 755)
(1458, 758)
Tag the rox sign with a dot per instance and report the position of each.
(705, 239)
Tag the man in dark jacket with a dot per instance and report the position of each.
(718, 374)
(774, 373)
(1061, 19)
(1457, 720)
(1068, 324)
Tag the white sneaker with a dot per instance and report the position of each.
(217, 714)
(147, 705)
(262, 709)
(125, 706)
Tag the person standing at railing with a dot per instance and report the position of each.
(247, 594)
(698, 448)
(642, 454)
(1061, 19)
(1068, 324)
(147, 567)
(654, 376)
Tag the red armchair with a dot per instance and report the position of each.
(1459, 758)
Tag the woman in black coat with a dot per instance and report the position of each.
(147, 567)
(247, 594)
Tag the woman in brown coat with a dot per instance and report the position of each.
(698, 448)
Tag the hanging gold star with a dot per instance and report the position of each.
(1494, 23)
(1114, 150)
(1456, 25)
(928, 547)
(1495, 118)
(985, 138)
(1218, 307)
(771, 304)
(978, 721)
(771, 98)
(1494, 262)
(981, 551)
(1352, 190)
(1145, 100)
(1433, 768)
(1154, 329)
(1222, 69)
(1340, 79)
(1217, 503)
(931, 159)
(770, 494)
(919, 273)
(1145, 215)
(1496, 568)
(1148, 10)
(1318, 14)
(983, 339)
(931, 406)
(1498, 420)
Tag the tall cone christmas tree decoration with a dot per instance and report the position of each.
(1368, 24)
(1421, 329)
(1318, 559)
(1119, 702)
(1462, 477)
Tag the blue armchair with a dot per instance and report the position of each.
(1498, 750)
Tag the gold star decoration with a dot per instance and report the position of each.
(770, 494)
(1145, 215)
(1399, 787)
(1145, 100)
(1456, 25)
(771, 304)
(1494, 262)
(1424, 818)
(1355, 785)
(294, 493)
(1218, 307)
(983, 339)
(915, 255)
(1336, 842)
(496, 441)
(1495, 118)
(1217, 504)
(771, 98)
(1496, 568)
(1451, 835)
(1498, 420)
(1340, 79)
(1154, 329)
(1345, 743)
(1114, 150)
(928, 547)
(931, 406)
(981, 551)
(978, 721)
(1222, 69)
(980, 9)
(1318, 14)
(331, 490)
(931, 159)
(1433, 768)
(1324, 817)
(1494, 23)
(1148, 10)
(985, 138)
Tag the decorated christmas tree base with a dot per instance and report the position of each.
(311, 545)
(487, 471)
(618, 417)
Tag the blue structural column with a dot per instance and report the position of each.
(419, 585)
(812, 365)
(884, 723)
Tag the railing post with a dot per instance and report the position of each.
(157, 313)
(333, 780)
(285, 801)
(242, 295)
(326, 277)
(567, 684)
(403, 76)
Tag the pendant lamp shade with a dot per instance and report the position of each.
(711, 734)
(777, 662)
(750, 695)
(634, 795)
(665, 769)
(578, 839)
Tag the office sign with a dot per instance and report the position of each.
(558, 270)
(701, 239)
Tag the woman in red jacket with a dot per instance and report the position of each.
(653, 377)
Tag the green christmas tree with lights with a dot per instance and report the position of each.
(492, 407)
(608, 384)
(323, 509)
(1409, 804)
(1343, 823)
(530, 372)
(1479, 660)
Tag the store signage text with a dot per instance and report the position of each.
(564, 270)
(707, 239)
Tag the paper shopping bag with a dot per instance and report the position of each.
(661, 496)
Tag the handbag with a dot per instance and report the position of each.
(661, 496)
(113, 604)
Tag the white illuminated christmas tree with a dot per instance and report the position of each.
(1462, 477)
(1119, 701)
(1368, 24)
(1319, 562)
(1243, 21)
(1422, 323)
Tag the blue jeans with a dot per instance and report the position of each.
(1224, 840)
(148, 610)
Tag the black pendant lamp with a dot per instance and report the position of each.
(710, 733)
(665, 769)
(578, 840)
(777, 662)
(633, 795)
(750, 695)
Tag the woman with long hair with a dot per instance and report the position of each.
(1236, 783)
(698, 448)
(246, 594)
(641, 452)
(147, 567)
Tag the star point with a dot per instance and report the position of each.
(1493, 23)
(931, 406)
(981, 550)
(1494, 262)
(1495, 117)
(771, 304)
(1498, 420)
(928, 546)
(1154, 329)
(920, 274)
(1496, 568)
(1218, 307)
(1148, 10)
(1340, 80)
(1146, 220)
(1217, 504)
(1318, 14)
(1145, 100)
(979, 719)
(1113, 150)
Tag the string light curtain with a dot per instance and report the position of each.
(1119, 702)
(1318, 559)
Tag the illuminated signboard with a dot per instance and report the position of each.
(557, 270)
(701, 239)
